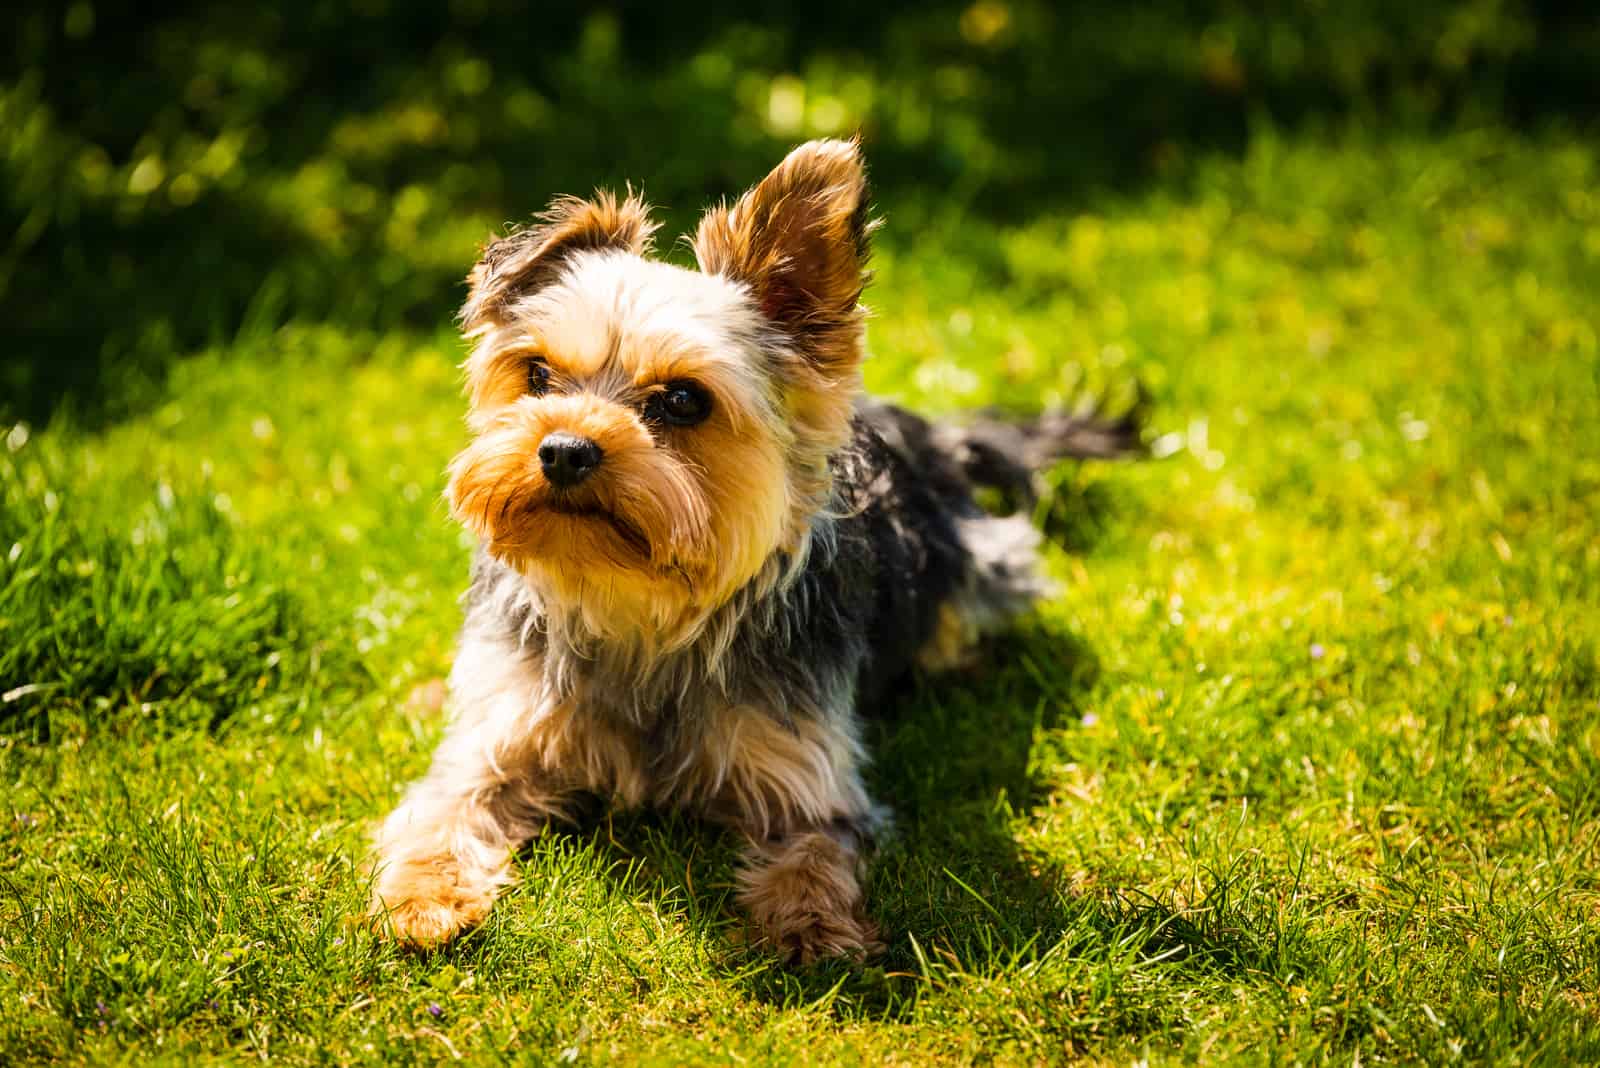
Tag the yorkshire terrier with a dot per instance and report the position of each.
(703, 554)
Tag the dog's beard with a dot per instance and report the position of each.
(582, 514)
(642, 516)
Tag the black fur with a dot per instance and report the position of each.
(990, 449)
(899, 555)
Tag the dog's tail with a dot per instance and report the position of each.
(990, 451)
(1006, 454)
(993, 450)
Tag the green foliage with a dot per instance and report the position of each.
(167, 608)
(1301, 765)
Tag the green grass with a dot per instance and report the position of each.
(1302, 765)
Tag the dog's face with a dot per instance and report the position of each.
(648, 437)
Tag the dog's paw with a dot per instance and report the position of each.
(806, 939)
(425, 904)
(805, 902)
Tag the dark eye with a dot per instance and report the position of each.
(538, 377)
(681, 404)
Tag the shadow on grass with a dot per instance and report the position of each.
(958, 900)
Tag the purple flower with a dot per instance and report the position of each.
(1089, 719)
(1317, 651)
(434, 1010)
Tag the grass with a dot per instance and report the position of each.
(1302, 765)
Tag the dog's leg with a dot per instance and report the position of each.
(445, 853)
(794, 790)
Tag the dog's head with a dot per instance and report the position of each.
(649, 438)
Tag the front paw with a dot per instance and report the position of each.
(808, 937)
(426, 903)
(805, 902)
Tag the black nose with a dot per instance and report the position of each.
(568, 459)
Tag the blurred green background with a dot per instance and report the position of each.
(170, 172)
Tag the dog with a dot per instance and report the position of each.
(703, 555)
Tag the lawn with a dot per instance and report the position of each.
(1303, 764)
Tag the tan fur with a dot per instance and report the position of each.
(804, 899)
(427, 901)
(953, 641)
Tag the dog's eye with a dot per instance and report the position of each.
(538, 377)
(681, 404)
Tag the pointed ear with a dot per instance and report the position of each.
(527, 259)
(799, 241)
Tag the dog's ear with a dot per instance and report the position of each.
(526, 259)
(799, 241)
